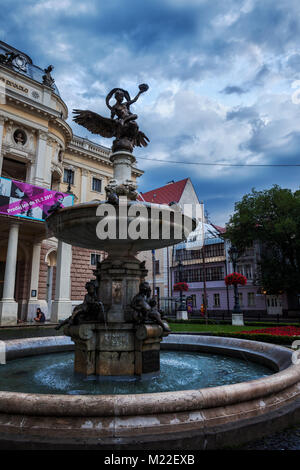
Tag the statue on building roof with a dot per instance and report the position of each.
(122, 123)
(8, 58)
(48, 80)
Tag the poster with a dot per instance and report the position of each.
(29, 201)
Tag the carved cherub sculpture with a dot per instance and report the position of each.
(140, 303)
(156, 316)
(91, 310)
(145, 308)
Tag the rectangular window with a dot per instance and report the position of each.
(97, 185)
(214, 273)
(68, 176)
(95, 258)
(216, 300)
(248, 271)
(245, 269)
(251, 299)
(13, 169)
(211, 251)
(157, 266)
(241, 298)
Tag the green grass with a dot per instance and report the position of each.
(233, 331)
(211, 328)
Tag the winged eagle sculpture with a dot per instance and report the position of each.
(122, 123)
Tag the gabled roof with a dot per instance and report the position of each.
(171, 192)
(220, 229)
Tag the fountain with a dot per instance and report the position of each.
(117, 329)
(116, 398)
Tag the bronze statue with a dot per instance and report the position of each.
(122, 124)
(140, 303)
(7, 58)
(48, 80)
(91, 310)
(145, 309)
(155, 315)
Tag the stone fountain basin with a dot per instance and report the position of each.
(208, 418)
(76, 225)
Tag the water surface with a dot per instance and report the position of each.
(53, 373)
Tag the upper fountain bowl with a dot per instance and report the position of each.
(127, 228)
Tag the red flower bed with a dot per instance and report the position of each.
(277, 331)
(235, 278)
(181, 287)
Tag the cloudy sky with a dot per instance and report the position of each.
(223, 75)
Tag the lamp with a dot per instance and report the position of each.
(180, 272)
(69, 178)
(234, 256)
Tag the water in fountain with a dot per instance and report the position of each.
(53, 374)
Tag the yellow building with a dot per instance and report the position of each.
(37, 147)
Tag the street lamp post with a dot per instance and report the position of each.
(237, 314)
(181, 313)
(69, 179)
(153, 274)
(180, 269)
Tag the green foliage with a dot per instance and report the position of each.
(272, 217)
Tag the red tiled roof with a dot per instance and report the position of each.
(220, 229)
(166, 194)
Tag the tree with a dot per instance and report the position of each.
(271, 217)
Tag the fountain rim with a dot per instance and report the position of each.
(128, 203)
(150, 403)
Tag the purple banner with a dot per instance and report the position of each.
(33, 202)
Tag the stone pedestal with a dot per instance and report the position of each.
(121, 345)
(182, 315)
(114, 349)
(119, 281)
(238, 319)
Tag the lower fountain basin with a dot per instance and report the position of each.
(200, 418)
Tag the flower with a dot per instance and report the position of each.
(234, 279)
(181, 287)
(277, 331)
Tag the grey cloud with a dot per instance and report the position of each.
(242, 113)
(231, 89)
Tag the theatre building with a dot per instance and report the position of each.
(41, 163)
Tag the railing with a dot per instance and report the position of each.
(92, 147)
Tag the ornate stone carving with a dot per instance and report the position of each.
(91, 310)
(20, 137)
(146, 309)
(128, 189)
